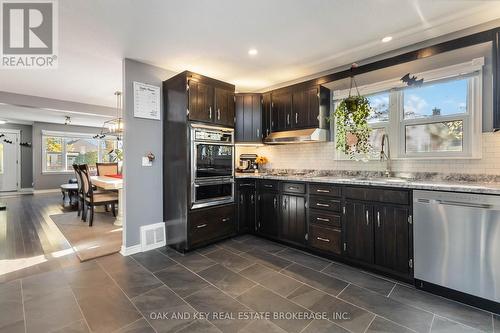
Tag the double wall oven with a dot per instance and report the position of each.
(212, 166)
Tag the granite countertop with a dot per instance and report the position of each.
(416, 184)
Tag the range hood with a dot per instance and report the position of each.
(298, 136)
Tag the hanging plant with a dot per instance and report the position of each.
(351, 120)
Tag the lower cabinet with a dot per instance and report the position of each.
(267, 213)
(358, 231)
(209, 224)
(392, 239)
(247, 198)
(325, 239)
(293, 219)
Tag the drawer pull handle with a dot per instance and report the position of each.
(323, 239)
(323, 191)
(322, 204)
(201, 226)
(293, 187)
(268, 186)
(322, 219)
(225, 219)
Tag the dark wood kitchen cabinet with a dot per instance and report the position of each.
(392, 237)
(209, 100)
(293, 219)
(268, 208)
(247, 198)
(266, 114)
(358, 231)
(210, 224)
(248, 118)
(281, 111)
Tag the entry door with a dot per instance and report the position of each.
(9, 144)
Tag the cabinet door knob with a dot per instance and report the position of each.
(367, 218)
(210, 112)
(258, 132)
(218, 114)
(296, 118)
(225, 219)
(378, 219)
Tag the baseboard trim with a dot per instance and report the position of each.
(52, 190)
(128, 251)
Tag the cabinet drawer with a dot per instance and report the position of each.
(325, 189)
(212, 223)
(269, 185)
(294, 188)
(326, 218)
(379, 195)
(247, 183)
(324, 203)
(326, 239)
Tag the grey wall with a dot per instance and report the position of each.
(26, 153)
(143, 185)
(52, 181)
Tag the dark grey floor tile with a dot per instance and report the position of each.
(226, 280)
(116, 263)
(400, 313)
(11, 307)
(324, 326)
(42, 284)
(264, 244)
(140, 326)
(341, 313)
(76, 327)
(194, 261)
(234, 246)
(213, 301)
(135, 280)
(97, 294)
(261, 299)
(381, 325)
(153, 260)
(47, 312)
(207, 249)
(229, 259)
(496, 323)
(360, 278)
(315, 279)
(443, 325)
(160, 305)
(257, 272)
(304, 259)
(181, 280)
(267, 259)
(262, 326)
(200, 326)
(242, 238)
(443, 307)
(280, 284)
(306, 296)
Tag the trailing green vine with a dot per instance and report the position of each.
(352, 129)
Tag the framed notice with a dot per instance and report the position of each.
(146, 101)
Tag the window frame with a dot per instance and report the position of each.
(395, 128)
(64, 152)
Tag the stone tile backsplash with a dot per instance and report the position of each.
(320, 156)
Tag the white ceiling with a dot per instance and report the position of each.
(27, 115)
(295, 38)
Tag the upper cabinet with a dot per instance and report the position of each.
(248, 118)
(266, 114)
(300, 108)
(210, 100)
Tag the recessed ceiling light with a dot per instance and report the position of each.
(3, 122)
(386, 39)
(253, 52)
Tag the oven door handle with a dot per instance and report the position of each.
(214, 183)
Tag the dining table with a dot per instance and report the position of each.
(112, 182)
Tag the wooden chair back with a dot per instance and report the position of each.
(79, 180)
(87, 185)
(104, 169)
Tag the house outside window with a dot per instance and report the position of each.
(62, 150)
(440, 119)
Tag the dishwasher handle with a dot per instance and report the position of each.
(454, 203)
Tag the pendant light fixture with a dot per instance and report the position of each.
(113, 126)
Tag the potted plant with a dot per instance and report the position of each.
(351, 120)
(260, 160)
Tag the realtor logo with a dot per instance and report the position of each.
(29, 34)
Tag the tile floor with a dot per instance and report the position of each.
(224, 287)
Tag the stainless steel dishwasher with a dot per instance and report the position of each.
(457, 242)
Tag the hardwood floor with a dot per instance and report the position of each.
(30, 242)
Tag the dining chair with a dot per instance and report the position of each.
(104, 169)
(93, 199)
(80, 195)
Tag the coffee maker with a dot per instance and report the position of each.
(247, 163)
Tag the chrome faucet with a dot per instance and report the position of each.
(386, 154)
